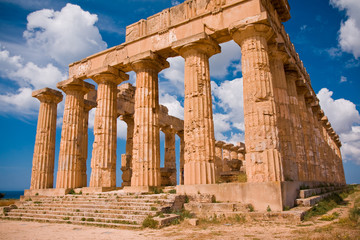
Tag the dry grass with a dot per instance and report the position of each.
(7, 202)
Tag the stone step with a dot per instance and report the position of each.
(104, 224)
(305, 193)
(94, 206)
(135, 217)
(311, 201)
(117, 203)
(86, 210)
(76, 218)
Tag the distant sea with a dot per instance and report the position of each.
(12, 194)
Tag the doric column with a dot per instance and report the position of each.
(319, 152)
(287, 146)
(170, 155)
(298, 134)
(313, 141)
(226, 156)
(126, 159)
(88, 105)
(182, 157)
(198, 117)
(146, 146)
(218, 159)
(306, 132)
(69, 173)
(42, 175)
(103, 162)
(263, 158)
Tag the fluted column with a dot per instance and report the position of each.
(198, 117)
(182, 157)
(103, 162)
(42, 175)
(307, 134)
(218, 159)
(88, 105)
(287, 145)
(146, 145)
(298, 134)
(69, 173)
(263, 157)
(170, 155)
(126, 159)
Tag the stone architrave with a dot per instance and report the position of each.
(88, 105)
(126, 159)
(42, 175)
(277, 58)
(170, 154)
(198, 117)
(71, 154)
(103, 162)
(263, 157)
(146, 145)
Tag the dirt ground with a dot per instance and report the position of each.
(339, 228)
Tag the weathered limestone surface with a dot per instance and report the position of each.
(182, 156)
(285, 128)
(218, 159)
(263, 158)
(170, 155)
(103, 162)
(146, 143)
(198, 117)
(70, 173)
(126, 159)
(42, 175)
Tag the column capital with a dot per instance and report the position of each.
(48, 95)
(127, 118)
(89, 105)
(199, 43)
(219, 144)
(148, 60)
(168, 130)
(108, 74)
(241, 31)
(277, 51)
(75, 84)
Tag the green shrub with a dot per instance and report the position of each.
(268, 209)
(172, 191)
(354, 214)
(158, 190)
(186, 199)
(90, 220)
(250, 207)
(149, 222)
(329, 217)
(324, 206)
(71, 191)
(153, 209)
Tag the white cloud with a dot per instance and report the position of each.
(343, 79)
(66, 36)
(174, 106)
(344, 118)
(230, 56)
(121, 129)
(228, 99)
(173, 82)
(174, 2)
(19, 102)
(349, 33)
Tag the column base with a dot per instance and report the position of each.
(98, 189)
(46, 192)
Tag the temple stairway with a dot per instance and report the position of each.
(310, 197)
(104, 209)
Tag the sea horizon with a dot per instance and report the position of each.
(12, 194)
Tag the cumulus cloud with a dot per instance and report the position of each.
(21, 101)
(172, 78)
(229, 110)
(345, 119)
(349, 33)
(230, 56)
(66, 36)
(174, 106)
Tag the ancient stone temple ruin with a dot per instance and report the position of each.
(289, 142)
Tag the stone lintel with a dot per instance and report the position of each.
(201, 42)
(75, 84)
(278, 51)
(148, 59)
(108, 73)
(228, 146)
(219, 144)
(47, 94)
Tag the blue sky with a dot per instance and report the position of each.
(40, 38)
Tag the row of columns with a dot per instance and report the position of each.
(284, 139)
